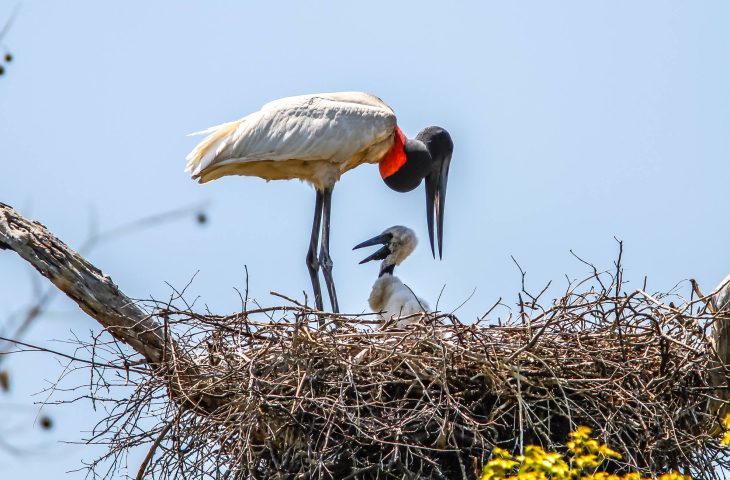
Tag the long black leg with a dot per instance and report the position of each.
(312, 261)
(324, 253)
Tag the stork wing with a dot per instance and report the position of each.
(328, 126)
(721, 296)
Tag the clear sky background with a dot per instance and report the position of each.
(573, 122)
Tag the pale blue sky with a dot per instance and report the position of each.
(573, 121)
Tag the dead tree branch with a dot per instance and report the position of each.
(100, 298)
(81, 281)
(96, 238)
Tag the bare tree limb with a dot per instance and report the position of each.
(93, 291)
(95, 239)
(9, 22)
(101, 299)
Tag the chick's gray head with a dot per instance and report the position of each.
(398, 243)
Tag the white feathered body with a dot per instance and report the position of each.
(395, 300)
(721, 296)
(315, 138)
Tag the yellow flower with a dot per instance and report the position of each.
(673, 476)
(726, 422)
(501, 453)
(632, 476)
(502, 463)
(602, 476)
(587, 461)
(586, 453)
(608, 453)
(581, 434)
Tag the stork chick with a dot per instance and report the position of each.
(390, 297)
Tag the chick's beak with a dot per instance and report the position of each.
(383, 239)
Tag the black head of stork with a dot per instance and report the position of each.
(428, 157)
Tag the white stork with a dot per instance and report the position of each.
(389, 295)
(316, 138)
(720, 296)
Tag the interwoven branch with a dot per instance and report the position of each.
(434, 400)
(266, 394)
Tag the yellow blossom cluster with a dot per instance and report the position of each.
(585, 456)
(726, 423)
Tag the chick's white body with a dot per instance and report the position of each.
(394, 300)
(390, 297)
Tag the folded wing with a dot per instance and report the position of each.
(332, 126)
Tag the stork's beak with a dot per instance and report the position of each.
(382, 239)
(436, 200)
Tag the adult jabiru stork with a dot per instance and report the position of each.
(316, 138)
(720, 296)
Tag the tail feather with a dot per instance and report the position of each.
(207, 150)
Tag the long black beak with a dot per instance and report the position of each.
(436, 200)
(383, 239)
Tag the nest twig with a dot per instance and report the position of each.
(431, 401)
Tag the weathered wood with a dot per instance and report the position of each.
(93, 291)
(101, 299)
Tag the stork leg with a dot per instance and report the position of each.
(325, 261)
(312, 261)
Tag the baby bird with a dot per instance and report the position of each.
(389, 296)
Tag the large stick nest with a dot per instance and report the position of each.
(360, 401)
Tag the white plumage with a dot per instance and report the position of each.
(315, 138)
(390, 297)
(396, 301)
(720, 297)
